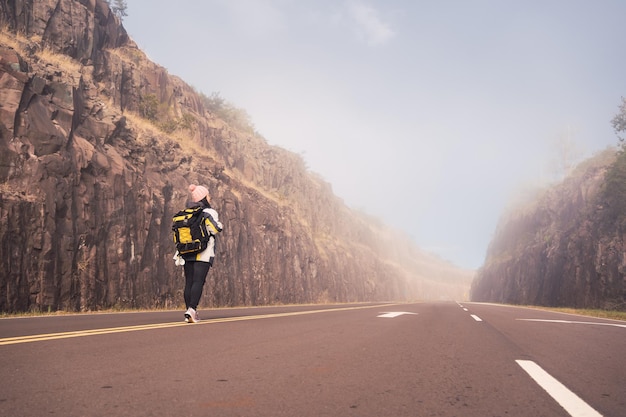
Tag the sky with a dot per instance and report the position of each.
(431, 115)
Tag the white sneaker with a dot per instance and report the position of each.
(191, 316)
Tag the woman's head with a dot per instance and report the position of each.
(198, 192)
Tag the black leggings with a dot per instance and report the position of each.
(195, 276)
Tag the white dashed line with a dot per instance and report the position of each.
(575, 406)
(475, 317)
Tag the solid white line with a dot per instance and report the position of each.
(475, 317)
(575, 406)
(576, 322)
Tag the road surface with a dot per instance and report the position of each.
(420, 359)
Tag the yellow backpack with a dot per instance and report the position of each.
(192, 229)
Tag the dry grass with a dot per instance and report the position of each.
(65, 63)
(604, 314)
(614, 315)
(50, 312)
(133, 55)
(146, 129)
(19, 43)
(143, 127)
(12, 41)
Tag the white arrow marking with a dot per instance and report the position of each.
(393, 314)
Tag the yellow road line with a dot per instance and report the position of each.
(93, 332)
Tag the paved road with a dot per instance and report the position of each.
(442, 359)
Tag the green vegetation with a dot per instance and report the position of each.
(619, 121)
(186, 122)
(615, 189)
(171, 125)
(168, 125)
(232, 115)
(149, 106)
(151, 109)
(615, 180)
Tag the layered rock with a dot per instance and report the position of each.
(565, 248)
(97, 147)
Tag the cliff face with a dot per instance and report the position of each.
(88, 187)
(567, 247)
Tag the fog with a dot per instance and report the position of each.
(431, 116)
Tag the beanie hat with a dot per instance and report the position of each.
(198, 192)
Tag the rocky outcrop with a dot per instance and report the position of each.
(97, 148)
(567, 247)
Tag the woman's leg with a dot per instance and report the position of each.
(188, 267)
(200, 271)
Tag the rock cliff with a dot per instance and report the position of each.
(97, 147)
(566, 248)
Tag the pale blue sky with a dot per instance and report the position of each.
(431, 115)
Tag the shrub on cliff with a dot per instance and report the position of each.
(614, 192)
(619, 121)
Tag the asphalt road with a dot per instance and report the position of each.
(442, 359)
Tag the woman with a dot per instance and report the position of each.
(197, 265)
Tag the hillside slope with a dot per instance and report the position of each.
(567, 247)
(97, 147)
